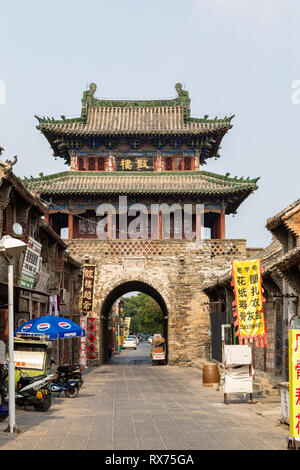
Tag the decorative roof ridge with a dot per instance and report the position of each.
(216, 119)
(89, 101)
(233, 180)
(206, 174)
(63, 120)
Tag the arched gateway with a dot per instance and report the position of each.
(136, 205)
(123, 287)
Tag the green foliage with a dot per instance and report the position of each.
(146, 315)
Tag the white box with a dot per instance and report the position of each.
(237, 354)
(237, 385)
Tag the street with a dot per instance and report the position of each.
(129, 404)
(131, 357)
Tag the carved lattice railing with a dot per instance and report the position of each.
(158, 247)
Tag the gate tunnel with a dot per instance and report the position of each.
(115, 294)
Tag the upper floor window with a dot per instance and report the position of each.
(81, 164)
(169, 164)
(178, 163)
(100, 164)
(187, 163)
(91, 163)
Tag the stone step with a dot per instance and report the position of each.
(266, 383)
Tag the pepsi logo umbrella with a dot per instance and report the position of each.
(52, 327)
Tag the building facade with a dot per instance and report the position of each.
(133, 203)
(281, 282)
(45, 267)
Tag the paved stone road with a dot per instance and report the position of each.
(131, 405)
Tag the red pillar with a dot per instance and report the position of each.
(71, 224)
(160, 234)
(222, 235)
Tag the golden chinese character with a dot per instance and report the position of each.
(87, 295)
(89, 273)
(88, 284)
(86, 305)
(142, 163)
(126, 164)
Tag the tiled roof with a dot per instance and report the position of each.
(288, 259)
(6, 173)
(195, 183)
(134, 120)
(100, 116)
(277, 219)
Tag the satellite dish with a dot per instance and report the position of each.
(17, 229)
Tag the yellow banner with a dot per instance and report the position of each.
(294, 382)
(249, 301)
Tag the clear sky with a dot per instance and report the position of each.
(233, 56)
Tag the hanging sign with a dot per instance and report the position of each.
(294, 383)
(248, 302)
(31, 264)
(133, 163)
(127, 325)
(82, 347)
(88, 288)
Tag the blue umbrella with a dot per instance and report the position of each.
(52, 327)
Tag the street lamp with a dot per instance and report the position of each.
(11, 247)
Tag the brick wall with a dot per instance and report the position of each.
(175, 271)
(264, 358)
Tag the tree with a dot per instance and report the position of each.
(150, 315)
(146, 315)
(131, 309)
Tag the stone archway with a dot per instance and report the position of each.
(118, 290)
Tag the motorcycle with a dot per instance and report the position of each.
(71, 372)
(31, 390)
(62, 384)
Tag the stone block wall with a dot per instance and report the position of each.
(174, 271)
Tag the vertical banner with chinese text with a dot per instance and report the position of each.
(248, 302)
(82, 344)
(294, 383)
(88, 282)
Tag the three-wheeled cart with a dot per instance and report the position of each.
(158, 351)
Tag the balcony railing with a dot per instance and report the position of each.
(142, 247)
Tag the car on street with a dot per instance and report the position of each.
(129, 343)
(150, 339)
(134, 337)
